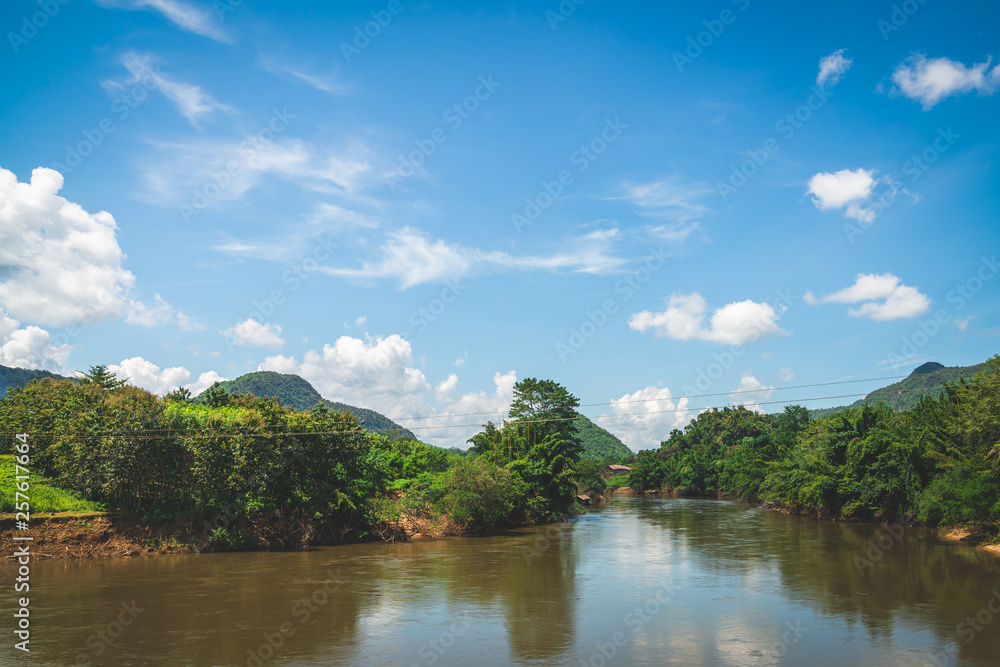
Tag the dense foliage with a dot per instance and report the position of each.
(264, 474)
(938, 463)
(598, 443)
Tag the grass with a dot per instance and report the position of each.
(43, 496)
(618, 481)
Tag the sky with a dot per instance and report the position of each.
(413, 205)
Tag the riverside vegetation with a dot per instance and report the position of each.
(235, 471)
(258, 474)
(937, 463)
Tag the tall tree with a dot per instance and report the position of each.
(547, 408)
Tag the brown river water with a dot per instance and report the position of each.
(634, 582)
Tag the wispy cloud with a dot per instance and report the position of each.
(191, 100)
(328, 83)
(192, 18)
(411, 257)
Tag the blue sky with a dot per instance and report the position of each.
(663, 208)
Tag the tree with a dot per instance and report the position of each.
(100, 375)
(547, 408)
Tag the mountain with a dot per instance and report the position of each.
(12, 378)
(293, 391)
(599, 443)
(925, 380)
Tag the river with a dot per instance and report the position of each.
(635, 582)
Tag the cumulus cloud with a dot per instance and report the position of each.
(750, 393)
(147, 375)
(192, 18)
(645, 418)
(832, 68)
(379, 373)
(151, 316)
(445, 387)
(882, 297)
(59, 264)
(375, 373)
(931, 80)
(30, 347)
(786, 374)
(736, 323)
(254, 333)
(846, 188)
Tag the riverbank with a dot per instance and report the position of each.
(983, 537)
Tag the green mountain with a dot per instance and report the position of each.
(925, 380)
(12, 378)
(599, 443)
(293, 391)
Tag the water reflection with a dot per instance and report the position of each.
(637, 582)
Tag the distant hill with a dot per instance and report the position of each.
(599, 443)
(295, 392)
(925, 380)
(12, 378)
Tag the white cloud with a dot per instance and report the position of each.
(150, 316)
(377, 374)
(733, 324)
(188, 17)
(327, 83)
(962, 325)
(59, 264)
(931, 80)
(252, 332)
(750, 393)
(204, 381)
(360, 322)
(190, 166)
(410, 257)
(30, 347)
(785, 375)
(380, 374)
(832, 68)
(845, 188)
(445, 387)
(191, 100)
(883, 296)
(147, 375)
(645, 418)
